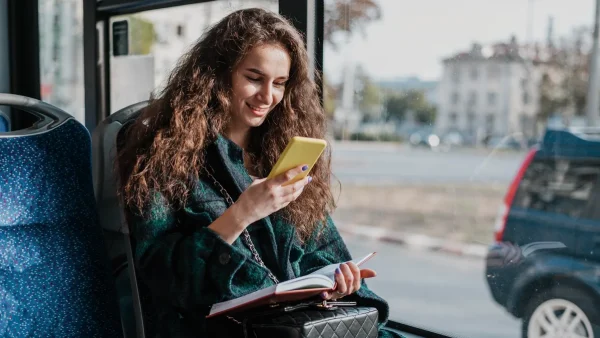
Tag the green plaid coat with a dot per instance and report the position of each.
(185, 267)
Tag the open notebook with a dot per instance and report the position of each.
(295, 289)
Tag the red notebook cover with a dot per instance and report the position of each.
(271, 296)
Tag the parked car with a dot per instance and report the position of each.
(425, 137)
(545, 265)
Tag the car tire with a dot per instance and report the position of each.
(581, 308)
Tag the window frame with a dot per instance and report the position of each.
(23, 56)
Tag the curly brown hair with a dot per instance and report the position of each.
(163, 148)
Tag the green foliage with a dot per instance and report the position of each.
(398, 105)
(329, 98)
(369, 94)
(383, 137)
(142, 34)
(349, 16)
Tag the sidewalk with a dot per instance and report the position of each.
(416, 241)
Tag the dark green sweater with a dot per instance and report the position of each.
(186, 267)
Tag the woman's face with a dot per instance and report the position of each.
(258, 85)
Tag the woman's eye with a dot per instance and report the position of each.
(253, 79)
(279, 84)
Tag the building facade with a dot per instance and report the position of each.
(490, 91)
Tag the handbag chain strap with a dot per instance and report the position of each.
(245, 235)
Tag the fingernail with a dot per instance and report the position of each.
(304, 168)
(309, 179)
(323, 294)
(338, 271)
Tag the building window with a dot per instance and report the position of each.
(524, 83)
(453, 120)
(454, 71)
(455, 98)
(526, 124)
(525, 97)
(491, 98)
(455, 74)
(472, 98)
(493, 72)
(471, 119)
(474, 73)
(180, 30)
(489, 123)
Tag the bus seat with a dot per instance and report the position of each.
(54, 270)
(4, 123)
(113, 222)
(103, 155)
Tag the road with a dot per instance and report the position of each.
(380, 163)
(431, 290)
(434, 291)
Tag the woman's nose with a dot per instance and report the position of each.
(265, 95)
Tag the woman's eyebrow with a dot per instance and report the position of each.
(254, 70)
(259, 72)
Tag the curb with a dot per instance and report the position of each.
(416, 241)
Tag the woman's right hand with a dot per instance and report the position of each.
(266, 196)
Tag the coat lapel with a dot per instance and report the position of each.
(230, 171)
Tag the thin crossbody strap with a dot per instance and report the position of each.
(245, 235)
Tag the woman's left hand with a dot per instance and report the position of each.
(348, 278)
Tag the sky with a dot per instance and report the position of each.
(413, 36)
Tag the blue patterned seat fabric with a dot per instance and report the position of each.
(3, 122)
(54, 274)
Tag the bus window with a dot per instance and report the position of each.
(157, 39)
(61, 55)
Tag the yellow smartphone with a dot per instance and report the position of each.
(300, 150)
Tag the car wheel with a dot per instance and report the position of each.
(560, 312)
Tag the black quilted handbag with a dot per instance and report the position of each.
(302, 321)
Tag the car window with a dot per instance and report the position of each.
(558, 186)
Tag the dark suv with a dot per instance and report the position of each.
(545, 264)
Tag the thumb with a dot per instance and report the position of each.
(367, 273)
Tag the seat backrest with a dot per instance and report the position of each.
(104, 151)
(105, 140)
(4, 122)
(54, 274)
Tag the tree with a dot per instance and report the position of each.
(142, 35)
(370, 97)
(576, 80)
(369, 94)
(566, 91)
(348, 16)
(396, 107)
(427, 115)
(400, 104)
(329, 98)
(551, 101)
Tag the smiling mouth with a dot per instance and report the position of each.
(257, 110)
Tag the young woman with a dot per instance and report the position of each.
(191, 177)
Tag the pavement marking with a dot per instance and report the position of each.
(417, 241)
